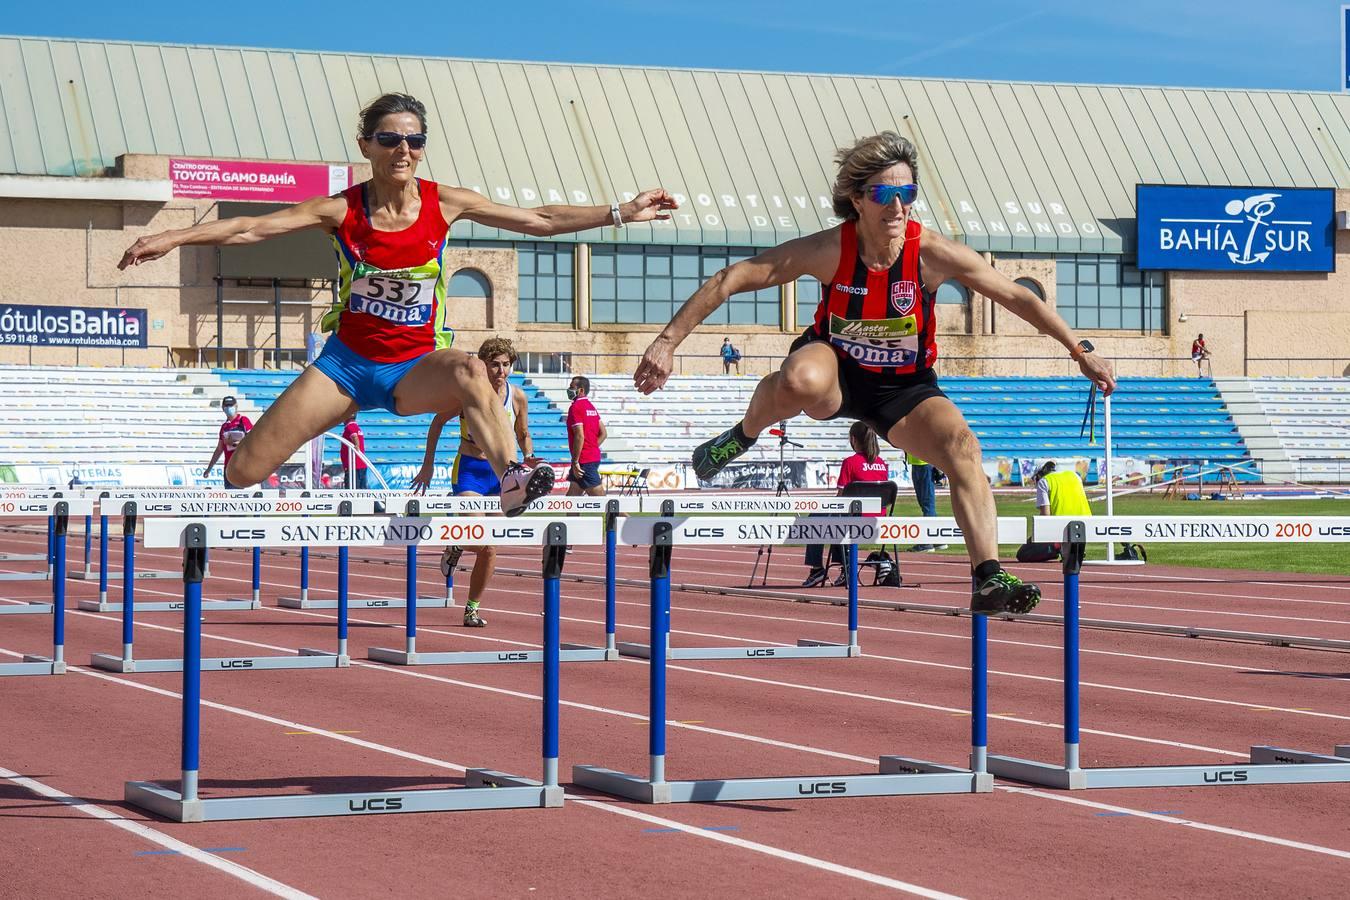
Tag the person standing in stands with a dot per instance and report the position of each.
(585, 433)
(232, 431)
(354, 460)
(865, 464)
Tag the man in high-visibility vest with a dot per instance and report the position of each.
(1060, 493)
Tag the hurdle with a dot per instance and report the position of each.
(306, 658)
(611, 508)
(409, 506)
(1266, 765)
(29, 492)
(484, 788)
(134, 506)
(60, 510)
(148, 498)
(896, 775)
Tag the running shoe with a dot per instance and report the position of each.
(472, 619)
(711, 456)
(449, 559)
(842, 580)
(921, 548)
(521, 486)
(815, 579)
(1004, 592)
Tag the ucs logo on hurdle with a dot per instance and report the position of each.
(376, 804)
(1225, 776)
(816, 788)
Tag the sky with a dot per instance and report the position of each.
(1277, 44)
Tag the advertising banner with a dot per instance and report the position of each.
(1236, 229)
(227, 179)
(71, 326)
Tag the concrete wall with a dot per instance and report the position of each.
(66, 252)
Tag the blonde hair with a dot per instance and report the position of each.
(864, 159)
(496, 346)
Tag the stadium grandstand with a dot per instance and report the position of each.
(109, 141)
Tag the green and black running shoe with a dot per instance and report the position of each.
(1004, 592)
(711, 456)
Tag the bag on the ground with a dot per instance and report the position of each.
(1032, 551)
(887, 572)
(1132, 551)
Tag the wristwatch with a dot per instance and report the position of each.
(1083, 348)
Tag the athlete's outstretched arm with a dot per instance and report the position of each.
(777, 265)
(523, 438)
(317, 212)
(944, 258)
(422, 480)
(545, 221)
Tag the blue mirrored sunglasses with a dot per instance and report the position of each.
(393, 139)
(885, 193)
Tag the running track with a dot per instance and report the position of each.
(1146, 699)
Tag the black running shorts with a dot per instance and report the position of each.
(870, 398)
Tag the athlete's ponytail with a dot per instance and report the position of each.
(864, 438)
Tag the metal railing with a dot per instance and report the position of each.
(1306, 367)
(149, 355)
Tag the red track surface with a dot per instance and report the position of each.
(1146, 699)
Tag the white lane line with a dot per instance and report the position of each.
(1187, 823)
(753, 846)
(141, 830)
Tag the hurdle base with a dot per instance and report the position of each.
(587, 653)
(304, 659)
(167, 605)
(366, 603)
(171, 805)
(24, 609)
(552, 795)
(1268, 765)
(805, 649)
(24, 576)
(484, 657)
(896, 776)
(34, 665)
(116, 574)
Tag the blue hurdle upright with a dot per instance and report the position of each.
(1267, 765)
(484, 788)
(896, 775)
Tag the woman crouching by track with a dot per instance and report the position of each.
(390, 346)
(869, 355)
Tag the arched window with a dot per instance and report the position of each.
(469, 283)
(1032, 285)
(954, 293)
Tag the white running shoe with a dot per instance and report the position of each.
(520, 486)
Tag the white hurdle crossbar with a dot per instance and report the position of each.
(485, 788)
(1267, 765)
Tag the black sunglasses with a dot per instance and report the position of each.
(393, 139)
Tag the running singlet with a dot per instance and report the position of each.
(391, 285)
(883, 321)
(510, 407)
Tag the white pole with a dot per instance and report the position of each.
(1110, 506)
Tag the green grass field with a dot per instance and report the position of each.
(1313, 559)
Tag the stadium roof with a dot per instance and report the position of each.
(1005, 166)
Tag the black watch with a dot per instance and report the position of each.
(1085, 346)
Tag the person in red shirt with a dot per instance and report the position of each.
(391, 336)
(232, 432)
(865, 464)
(354, 464)
(585, 434)
(1199, 353)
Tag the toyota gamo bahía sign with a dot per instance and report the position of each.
(1260, 229)
(224, 179)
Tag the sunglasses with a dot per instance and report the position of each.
(885, 193)
(392, 139)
